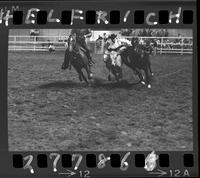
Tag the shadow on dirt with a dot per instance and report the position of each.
(96, 83)
(63, 84)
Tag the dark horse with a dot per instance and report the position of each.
(138, 62)
(75, 56)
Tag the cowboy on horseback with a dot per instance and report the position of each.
(76, 55)
(112, 55)
(141, 46)
(113, 50)
(81, 35)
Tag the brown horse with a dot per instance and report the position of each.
(75, 56)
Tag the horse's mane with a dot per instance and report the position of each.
(76, 47)
(130, 53)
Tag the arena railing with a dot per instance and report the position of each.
(165, 45)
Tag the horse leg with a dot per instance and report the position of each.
(152, 74)
(118, 73)
(85, 64)
(89, 73)
(116, 76)
(78, 70)
(146, 70)
(109, 75)
(66, 61)
(79, 74)
(121, 73)
(119, 66)
(109, 71)
(149, 65)
(83, 76)
(114, 72)
(141, 77)
(70, 65)
(80, 77)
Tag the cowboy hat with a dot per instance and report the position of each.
(112, 36)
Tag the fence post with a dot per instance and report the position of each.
(182, 46)
(161, 45)
(15, 42)
(155, 48)
(34, 43)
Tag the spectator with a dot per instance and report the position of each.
(99, 38)
(149, 32)
(51, 46)
(34, 33)
(126, 32)
(166, 33)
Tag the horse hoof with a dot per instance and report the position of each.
(89, 84)
(63, 68)
(91, 75)
(149, 86)
(142, 82)
(109, 78)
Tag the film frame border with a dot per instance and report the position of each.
(4, 55)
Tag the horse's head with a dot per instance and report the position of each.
(72, 42)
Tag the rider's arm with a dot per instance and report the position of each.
(112, 49)
(115, 49)
(88, 34)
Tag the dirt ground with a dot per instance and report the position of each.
(51, 110)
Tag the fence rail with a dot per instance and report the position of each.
(165, 45)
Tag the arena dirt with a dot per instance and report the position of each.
(50, 109)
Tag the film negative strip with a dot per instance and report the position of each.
(99, 88)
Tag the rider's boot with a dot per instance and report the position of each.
(64, 66)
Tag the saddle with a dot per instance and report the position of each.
(76, 50)
(76, 53)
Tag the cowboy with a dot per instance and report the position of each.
(137, 44)
(113, 50)
(51, 46)
(81, 35)
(149, 47)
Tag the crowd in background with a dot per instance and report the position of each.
(145, 32)
(168, 43)
(173, 43)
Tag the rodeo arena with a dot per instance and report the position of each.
(138, 98)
